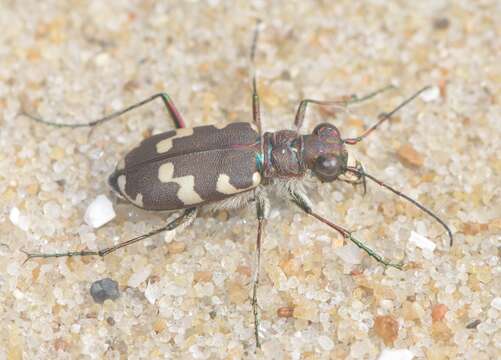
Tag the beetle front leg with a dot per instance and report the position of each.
(169, 104)
(262, 209)
(341, 101)
(301, 200)
(184, 219)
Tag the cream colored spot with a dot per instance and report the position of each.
(166, 172)
(139, 200)
(256, 179)
(224, 187)
(121, 183)
(166, 144)
(186, 192)
(220, 126)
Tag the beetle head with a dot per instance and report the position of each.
(325, 153)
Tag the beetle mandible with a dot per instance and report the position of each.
(234, 165)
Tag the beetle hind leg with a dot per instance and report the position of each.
(169, 104)
(184, 219)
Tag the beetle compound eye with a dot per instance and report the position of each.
(326, 130)
(328, 168)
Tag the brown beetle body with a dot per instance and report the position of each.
(189, 167)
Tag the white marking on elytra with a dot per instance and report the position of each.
(166, 172)
(121, 183)
(139, 200)
(166, 144)
(186, 192)
(224, 187)
(220, 126)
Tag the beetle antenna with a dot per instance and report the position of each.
(360, 172)
(383, 117)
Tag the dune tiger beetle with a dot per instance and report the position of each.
(234, 165)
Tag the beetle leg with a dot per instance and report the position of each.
(341, 101)
(262, 209)
(185, 218)
(256, 109)
(301, 200)
(169, 104)
(383, 117)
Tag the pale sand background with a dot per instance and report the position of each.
(76, 60)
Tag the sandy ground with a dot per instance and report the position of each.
(186, 295)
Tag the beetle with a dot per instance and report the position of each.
(234, 165)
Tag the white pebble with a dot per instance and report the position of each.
(326, 343)
(152, 292)
(52, 210)
(139, 276)
(13, 269)
(75, 328)
(99, 212)
(169, 236)
(496, 303)
(421, 241)
(431, 94)
(396, 354)
(21, 221)
(350, 254)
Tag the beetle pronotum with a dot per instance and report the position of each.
(231, 166)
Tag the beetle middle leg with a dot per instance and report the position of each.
(169, 104)
(256, 110)
(262, 208)
(301, 200)
(184, 219)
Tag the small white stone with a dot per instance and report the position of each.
(421, 241)
(496, 303)
(102, 59)
(52, 210)
(325, 343)
(13, 269)
(75, 328)
(152, 292)
(139, 276)
(396, 354)
(169, 236)
(18, 219)
(99, 212)
(431, 94)
(350, 254)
